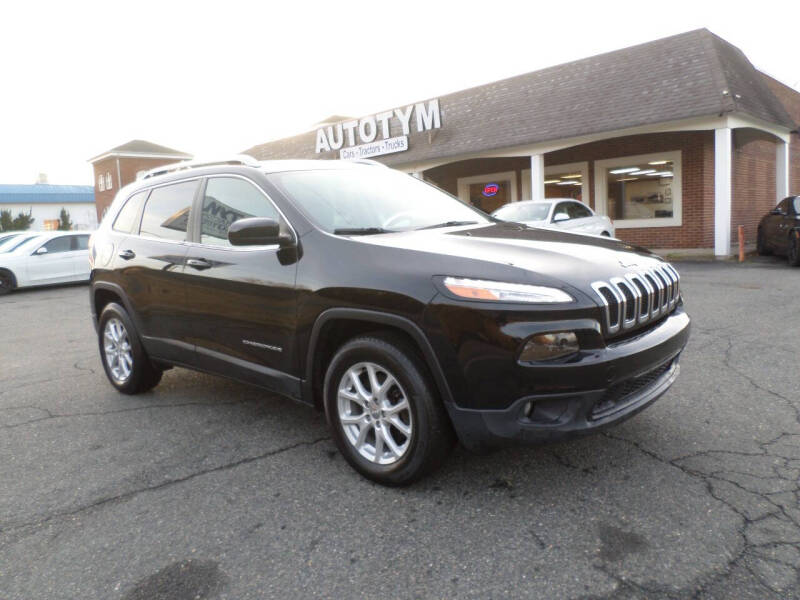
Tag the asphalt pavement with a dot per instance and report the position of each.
(207, 488)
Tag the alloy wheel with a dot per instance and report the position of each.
(118, 351)
(375, 413)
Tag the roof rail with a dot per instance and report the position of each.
(238, 159)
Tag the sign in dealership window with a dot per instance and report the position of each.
(640, 191)
(488, 192)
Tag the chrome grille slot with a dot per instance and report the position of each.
(638, 297)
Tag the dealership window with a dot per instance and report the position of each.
(488, 192)
(101, 183)
(640, 191)
(108, 181)
(561, 181)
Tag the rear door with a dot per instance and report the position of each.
(51, 262)
(80, 257)
(149, 262)
(241, 300)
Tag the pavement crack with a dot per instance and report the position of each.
(123, 497)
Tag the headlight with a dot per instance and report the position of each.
(547, 346)
(478, 289)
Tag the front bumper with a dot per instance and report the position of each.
(638, 371)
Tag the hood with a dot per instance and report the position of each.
(572, 258)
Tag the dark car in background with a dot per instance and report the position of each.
(779, 231)
(409, 317)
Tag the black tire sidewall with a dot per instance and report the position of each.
(793, 251)
(420, 398)
(9, 277)
(140, 361)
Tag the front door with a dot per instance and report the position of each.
(242, 300)
(52, 262)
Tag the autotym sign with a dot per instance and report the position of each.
(490, 189)
(425, 115)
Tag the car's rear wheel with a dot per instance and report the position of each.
(7, 282)
(125, 361)
(385, 415)
(761, 244)
(793, 253)
(606, 234)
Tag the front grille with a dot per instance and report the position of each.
(617, 396)
(638, 297)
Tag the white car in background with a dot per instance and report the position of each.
(45, 259)
(556, 213)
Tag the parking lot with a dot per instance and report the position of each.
(207, 488)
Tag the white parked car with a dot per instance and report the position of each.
(556, 213)
(44, 259)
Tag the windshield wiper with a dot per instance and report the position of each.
(448, 224)
(362, 231)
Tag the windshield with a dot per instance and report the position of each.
(372, 200)
(14, 243)
(533, 211)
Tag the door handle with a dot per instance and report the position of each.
(198, 263)
(127, 254)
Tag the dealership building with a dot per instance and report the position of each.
(680, 141)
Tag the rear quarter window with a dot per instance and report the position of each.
(127, 217)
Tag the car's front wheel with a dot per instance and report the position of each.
(761, 244)
(125, 361)
(385, 415)
(793, 253)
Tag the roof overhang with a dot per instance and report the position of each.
(137, 155)
(732, 121)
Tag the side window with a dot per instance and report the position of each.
(229, 199)
(80, 242)
(578, 211)
(125, 221)
(166, 214)
(797, 205)
(561, 208)
(59, 244)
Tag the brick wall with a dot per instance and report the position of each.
(753, 181)
(697, 153)
(790, 98)
(129, 166)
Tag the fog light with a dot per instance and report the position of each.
(547, 346)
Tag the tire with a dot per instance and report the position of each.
(605, 234)
(414, 440)
(761, 244)
(130, 371)
(793, 251)
(7, 282)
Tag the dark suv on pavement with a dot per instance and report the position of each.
(409, 317)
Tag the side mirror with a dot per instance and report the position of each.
(41, 251)
(257, 231)
(557, 218)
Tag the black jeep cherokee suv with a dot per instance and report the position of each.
(409, 317)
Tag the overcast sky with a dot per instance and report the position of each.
(213, 78)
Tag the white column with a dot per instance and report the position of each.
(722, 191)
(537, 177)
(781, 169)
